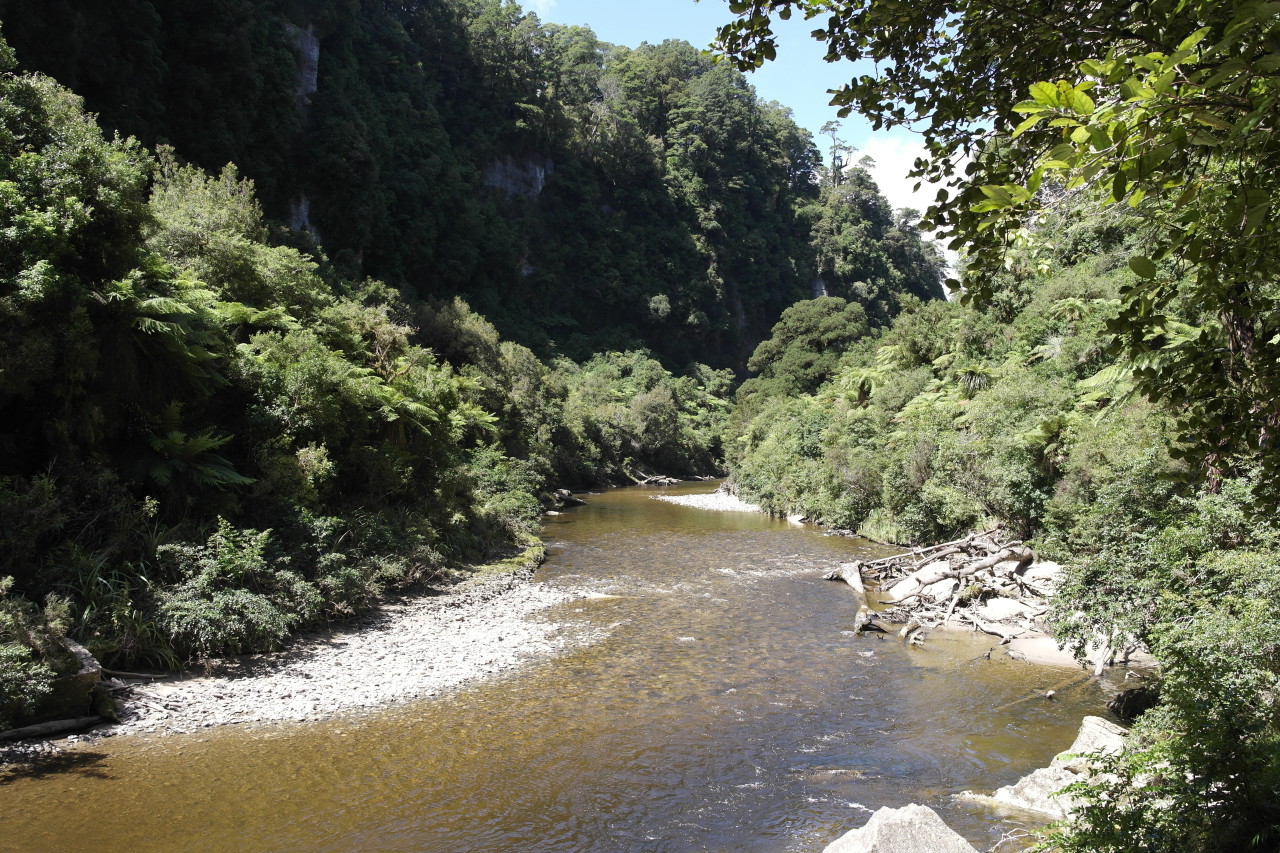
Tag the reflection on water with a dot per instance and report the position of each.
(724, 710)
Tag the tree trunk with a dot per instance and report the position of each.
(851, 574)
(53, 728)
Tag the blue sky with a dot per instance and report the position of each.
(798, 78)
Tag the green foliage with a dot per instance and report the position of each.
(229, 598)
(24, 681)
(582, 196)
(805, 347)
(950, 419)
(1202, 772)
(211, 440)
(865, 253)
(1162, 117)
(627, 415)
(942, 421)
(31, 652)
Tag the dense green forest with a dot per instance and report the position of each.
(582, 197)
(463, 258)
(957, 418)
(218, 427)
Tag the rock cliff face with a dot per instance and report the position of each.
(300, 216)
(306, 48)
(525, 176)
(306, 45)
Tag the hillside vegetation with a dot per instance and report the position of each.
(216, 430)
(583, 197)
(1019, 413)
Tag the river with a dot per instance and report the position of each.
(722, 709)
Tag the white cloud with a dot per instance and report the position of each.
(894, 156)
(541, 7)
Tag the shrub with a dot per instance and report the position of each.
(214, 623)
(32, 653)
(231, 600)
(24, 681)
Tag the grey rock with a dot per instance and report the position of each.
(1044, 572)
(519, 176)
(1038, 790)
(910, 829)
(999, 609)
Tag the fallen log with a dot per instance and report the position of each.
(1103, 661)
(851, 574)
(920, 556)
(943, 571)
(916, 553)
(53, 728)
(951, 608)
(989, 628)
(118, 674)
(658, 479)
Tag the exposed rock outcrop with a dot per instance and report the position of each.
(71, 695)
(1038, 791)
(525, 176)
(306, 47)
(910, 829)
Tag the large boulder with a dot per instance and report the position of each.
(1000, 609)
(70, 695)
(1044, 575)
(1038, 791)
(910, 829)
(913, 582)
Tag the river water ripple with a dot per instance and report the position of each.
(724, 710)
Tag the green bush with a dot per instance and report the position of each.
(1202, 770)
(24, 682)
(32, 653)
(206, 623)
(230, 599)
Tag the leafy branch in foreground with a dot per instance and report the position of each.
(1167, 106)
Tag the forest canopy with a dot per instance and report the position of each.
(582, 196)
(1166, 107)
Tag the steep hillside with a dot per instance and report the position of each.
(583, 196)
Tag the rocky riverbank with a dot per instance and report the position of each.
(916, 828)
(409, 648)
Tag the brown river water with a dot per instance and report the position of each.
(723, 710)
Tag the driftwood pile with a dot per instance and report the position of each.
(663, 480)
(655, 480)
(993, 584)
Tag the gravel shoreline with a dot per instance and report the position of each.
(720, 501)
(409, 648)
